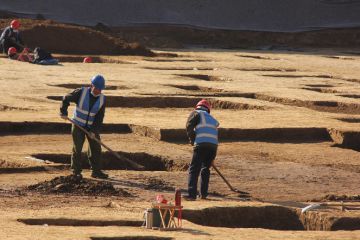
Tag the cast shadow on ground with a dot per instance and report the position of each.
(193, 231)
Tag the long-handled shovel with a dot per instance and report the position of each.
(133, 164)
(227, 182)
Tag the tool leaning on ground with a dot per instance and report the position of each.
(344, 206)
(227, 182)
(133, 164)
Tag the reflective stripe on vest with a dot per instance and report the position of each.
(83, 115)
(206, 131)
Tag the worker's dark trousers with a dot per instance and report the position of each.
(203, 156)
(94, 150)
(6, 44)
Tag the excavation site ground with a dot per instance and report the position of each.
(289, 136)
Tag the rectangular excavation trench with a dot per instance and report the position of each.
(79, 222)
(205, 94)
(356, 96)
(13, 128)
(321, 76)
(327, 76)
(203, 77)
(169, 102)
(180, 68)
(349, 120)
(269, 69)
(190, 102)
(195, 90)
(321, 106)
(11, 170)
(71, 222)
(266, 217)
(76, 85)
(280, 135)
(257, 57)
(110, 162)
(270, 217)
(320, 90)
(346, 139)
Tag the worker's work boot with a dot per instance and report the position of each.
(99, 174)
(203, 197)
(77, 175)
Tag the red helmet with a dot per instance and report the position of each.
(203, 103)
(87, 60)
(12, 51)
(15, 24)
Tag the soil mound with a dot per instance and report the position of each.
(333, 197)
(6, 14)
(73, 185)
(158, 184)
(65, 38)
(176, 36)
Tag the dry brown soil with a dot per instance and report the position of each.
(65, 38)
(289, 134)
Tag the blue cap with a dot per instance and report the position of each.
(98, 81)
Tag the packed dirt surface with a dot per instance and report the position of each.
(158, 184)
(289, 136)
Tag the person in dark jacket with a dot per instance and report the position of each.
(43, 57)
(10, 37)
(202, 132)
(89, 114)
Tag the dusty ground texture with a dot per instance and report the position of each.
(289, 134)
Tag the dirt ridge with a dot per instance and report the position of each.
(54, 37)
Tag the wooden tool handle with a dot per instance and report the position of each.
(133, 164)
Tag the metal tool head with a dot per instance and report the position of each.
(310, 207)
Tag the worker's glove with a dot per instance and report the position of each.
(92, 135)
(65, 117)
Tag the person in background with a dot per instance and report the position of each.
(202, 131)
(24, 56)
(10, 37)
